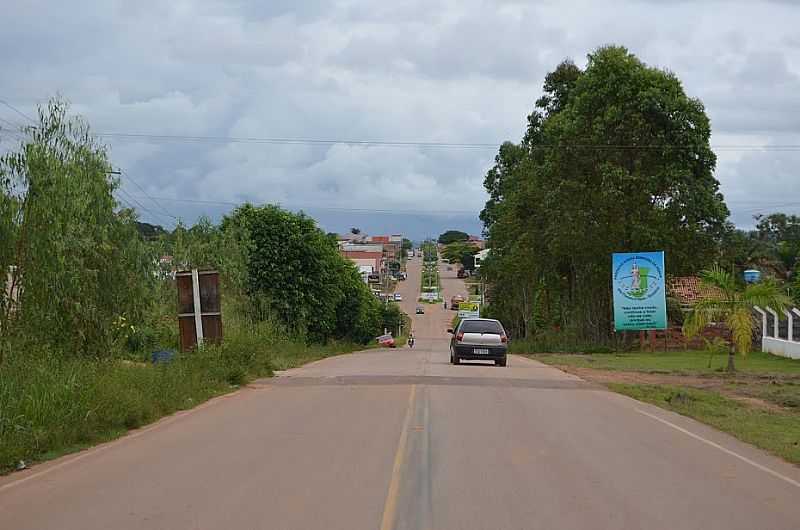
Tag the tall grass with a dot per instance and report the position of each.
(51, 403)
(557, 342)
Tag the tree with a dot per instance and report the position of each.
(782, 233)
(615, 158)
(451, 236)
(149, 231)
(296, 276)
(78, 261)
(406, 246)
(728, 302)
(456, 252)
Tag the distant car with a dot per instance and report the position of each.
(398, 297)
(387, 341)
(481, 339)
(420, 310)
(454, 301)
(462, 273)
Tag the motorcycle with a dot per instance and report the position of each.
(411, 342)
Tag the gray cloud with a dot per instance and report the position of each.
(438, 70)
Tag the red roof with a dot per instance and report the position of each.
(379, 239)
(689, 289)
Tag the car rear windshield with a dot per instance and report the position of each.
(481, 326)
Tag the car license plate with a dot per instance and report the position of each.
(480, 351)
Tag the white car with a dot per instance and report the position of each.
(398, 297)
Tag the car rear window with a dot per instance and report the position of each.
(481, 326)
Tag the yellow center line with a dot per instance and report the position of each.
(390, 506)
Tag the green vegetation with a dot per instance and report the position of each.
(759, 404)
(93, 302)
(460, 252)
(430, 281)
(728, 302)
(430, 253)
(407, 245)
(451, 236)
(773, 248)
(777, 432)
(681, 362)
(296, 275)
(52, 403)
(616, 158)
(76, 261)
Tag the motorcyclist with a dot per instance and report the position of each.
(410, 340)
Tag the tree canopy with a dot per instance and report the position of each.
(615, 158)
(452, 236)
(459, 252)
(298, 277)
(75, 256)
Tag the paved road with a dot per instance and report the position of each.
(402, 439)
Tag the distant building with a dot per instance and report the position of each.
(344, 239)
(368, 255)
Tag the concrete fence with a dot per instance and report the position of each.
(780, 334)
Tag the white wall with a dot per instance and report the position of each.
(770, 342)
(781, 347)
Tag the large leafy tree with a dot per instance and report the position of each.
(296, 275)
(459, 252)
(77, 260)
(451, 236)
(782, 233)
(615, 158)
(728, 302)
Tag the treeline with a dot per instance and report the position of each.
(615, 158)
(773, 248)
(79, 267)
(86, 298)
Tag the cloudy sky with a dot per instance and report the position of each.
(418, 71)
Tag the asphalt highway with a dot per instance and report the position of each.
(401, 439)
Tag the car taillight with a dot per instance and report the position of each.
(503, 338)
(460, 337)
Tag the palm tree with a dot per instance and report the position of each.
(726, 301)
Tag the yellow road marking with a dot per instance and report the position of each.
(390, 506)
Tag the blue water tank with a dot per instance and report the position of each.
(752, 276)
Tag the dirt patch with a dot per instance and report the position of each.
(738, 388)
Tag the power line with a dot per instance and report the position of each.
(18, 111)
(122, 199)
(16, 125)
(421, 144)
(145, 208)
(127, 175)
(294, 141)
(329, 208)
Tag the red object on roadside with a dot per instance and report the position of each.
(387, 341)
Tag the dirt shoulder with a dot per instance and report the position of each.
(743, 388)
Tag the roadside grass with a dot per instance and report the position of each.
(782, 393)
(51, 405)
(759, 404)
(776, 432)
(678, 362)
